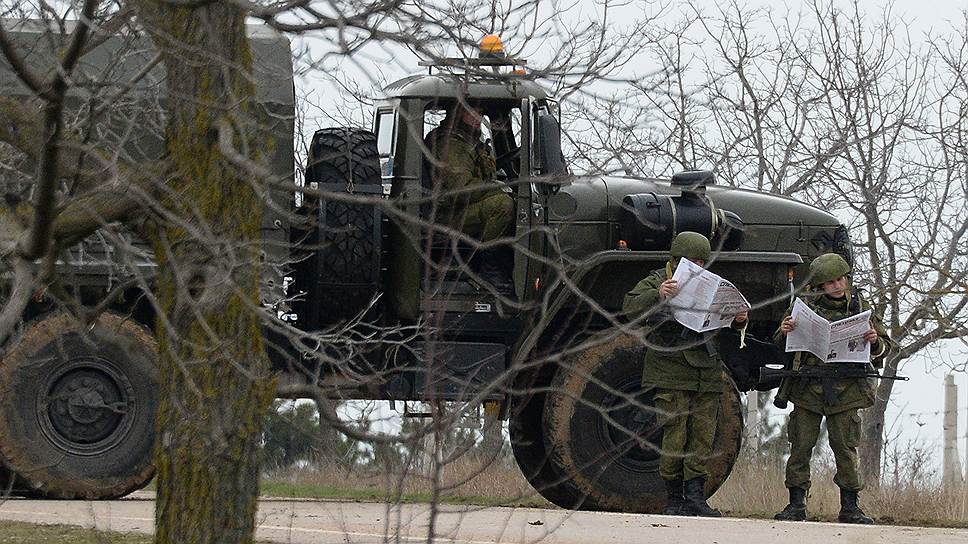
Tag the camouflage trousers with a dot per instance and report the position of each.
(843, 431)
(488, 218)
(688, 420)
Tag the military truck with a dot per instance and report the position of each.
(551, 353)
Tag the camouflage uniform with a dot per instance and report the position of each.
(684, 371)
(687, 380)
(811, 406)
(463, 169)
(811, 403)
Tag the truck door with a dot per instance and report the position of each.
(542, 167)
(530, 208)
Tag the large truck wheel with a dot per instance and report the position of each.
(600, 431)
(77, 408)
(527, 445)
(344, 157)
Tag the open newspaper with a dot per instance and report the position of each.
(838, 342)
(705, 301)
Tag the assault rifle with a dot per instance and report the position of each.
(826, 374)
(833, 371)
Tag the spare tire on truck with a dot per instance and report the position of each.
(338, 244)
(600, 431)
(78, 406)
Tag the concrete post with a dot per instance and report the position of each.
(951, 465)
(753, 421)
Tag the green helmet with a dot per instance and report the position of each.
(690, 245)
(828, 267)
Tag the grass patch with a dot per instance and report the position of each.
(915, 497)
(16, 532)
(289, 489)
(465, 480)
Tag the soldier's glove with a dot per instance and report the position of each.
(488, 167)
(484, 160)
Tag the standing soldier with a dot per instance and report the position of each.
(463, 170)
(836, 400)
(684, 371)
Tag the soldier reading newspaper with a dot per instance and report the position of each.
(838, 342)
(705, 300)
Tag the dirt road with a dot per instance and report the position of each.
(364, 523)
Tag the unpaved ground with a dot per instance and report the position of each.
(364, 523)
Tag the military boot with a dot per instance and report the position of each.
(674, 498)
(797, 509)
(695, 500)
(850, 511)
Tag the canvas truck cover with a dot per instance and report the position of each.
(118, 81)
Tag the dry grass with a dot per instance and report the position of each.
(755, 489)
(467, 480)
(15, 532)
(913, 504)
(911, 496)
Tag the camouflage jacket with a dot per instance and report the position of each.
(462, 168)
(850, 394)
(676, 358)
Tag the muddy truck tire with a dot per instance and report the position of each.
(600, 431)
(528, 446)
(77, 408)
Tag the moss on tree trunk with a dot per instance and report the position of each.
(215, 379)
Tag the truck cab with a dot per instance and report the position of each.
(514, 109)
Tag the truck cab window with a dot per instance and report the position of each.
(385, 126)
(506, 131)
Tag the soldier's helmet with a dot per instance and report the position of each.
(827, 267)
(690, 245)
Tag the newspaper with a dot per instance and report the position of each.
(705, 301)
(838, 342)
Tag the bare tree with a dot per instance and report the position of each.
(839, 108)
(829, 109)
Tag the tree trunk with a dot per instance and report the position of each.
(872, 439)
(215, 380)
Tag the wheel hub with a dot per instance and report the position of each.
(86, 409)
(634, 437)
(84, 406)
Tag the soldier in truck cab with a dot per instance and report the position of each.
(462, 171)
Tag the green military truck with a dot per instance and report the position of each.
(360, 248)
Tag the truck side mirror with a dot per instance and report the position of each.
(551, 161)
